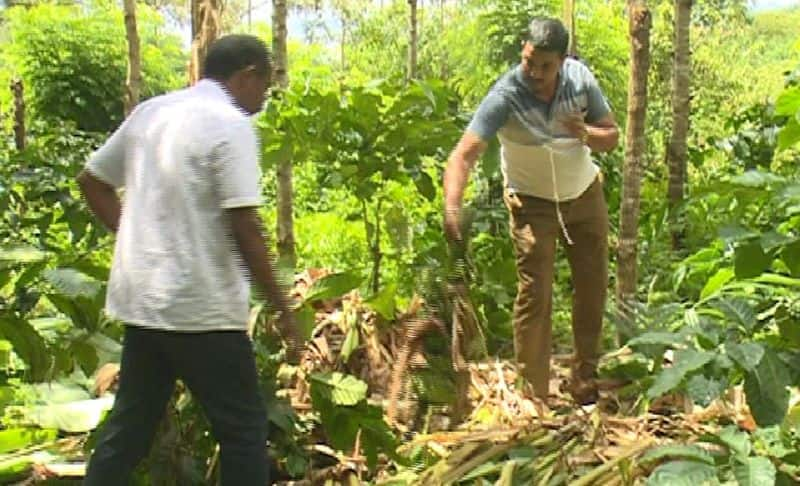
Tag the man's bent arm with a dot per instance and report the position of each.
(247, 232)
(603, 135)
(102, 199)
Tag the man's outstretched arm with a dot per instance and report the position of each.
(456, 176)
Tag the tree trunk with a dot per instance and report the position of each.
(18, 91)
(206, 27)
(569, 22)
(280, 71)
(677, 152)
(133, 82)
(413, 40)
(639, 29)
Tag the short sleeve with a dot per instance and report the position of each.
(490, 116)
(597, 105)
(108, 162)
(235, 167)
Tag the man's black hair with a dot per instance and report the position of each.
(231, 53)
(548, 34)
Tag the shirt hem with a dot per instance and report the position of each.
(240, 202)
(184, 328)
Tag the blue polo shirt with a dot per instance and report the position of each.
(539, 156)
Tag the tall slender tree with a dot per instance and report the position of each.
(635, 144)
(133, 82)
(286, 242)
(569, 22)
(413, 39)
(677, 152)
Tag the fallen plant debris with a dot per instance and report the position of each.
(359, 380)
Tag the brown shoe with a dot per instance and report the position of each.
(583, 384)
(584, 392)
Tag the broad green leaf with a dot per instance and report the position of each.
(73, 417)
(384, 301)
(746, 355)
(350, 344)
(51, 393)
(305, 317)
(703, 390)
(789, 134)
(19, 438)
(737, 441)
(738, 310)
(660, 338)
(683, 473)
(685, 363)
(333, 286)
(72, 283)
(755, 471)
(790, 254)
(15, 469)
(28, 345)
(425, 186)
(766, 391)
(788, 102)
(773, 239)
(21, 254)
(755, 179)
(340, 388)
(750, 260)
(776, 279)
(632, 367)
(84, 312)
(716, 282)
(736, 233)
(678, 451)
(86, 356)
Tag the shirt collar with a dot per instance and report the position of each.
(216, 89)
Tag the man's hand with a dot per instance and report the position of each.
(600, 136)
(576, 126)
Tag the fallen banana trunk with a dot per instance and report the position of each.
(534, 454)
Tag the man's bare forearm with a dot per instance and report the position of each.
(252, 244)
(459, 165)
(602, 138)
(456, 176)
(102, 200)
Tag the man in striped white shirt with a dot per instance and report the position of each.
(549, 115)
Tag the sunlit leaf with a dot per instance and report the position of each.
(685, 362)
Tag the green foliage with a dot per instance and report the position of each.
(746, 460)
(67, 80)
(345, 415)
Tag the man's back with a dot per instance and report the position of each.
(188, 156)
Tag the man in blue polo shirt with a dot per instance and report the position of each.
(549, 115)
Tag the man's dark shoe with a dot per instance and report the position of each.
(584, 392)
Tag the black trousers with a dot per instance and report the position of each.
(218, 368)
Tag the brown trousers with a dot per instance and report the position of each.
(534, 231)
